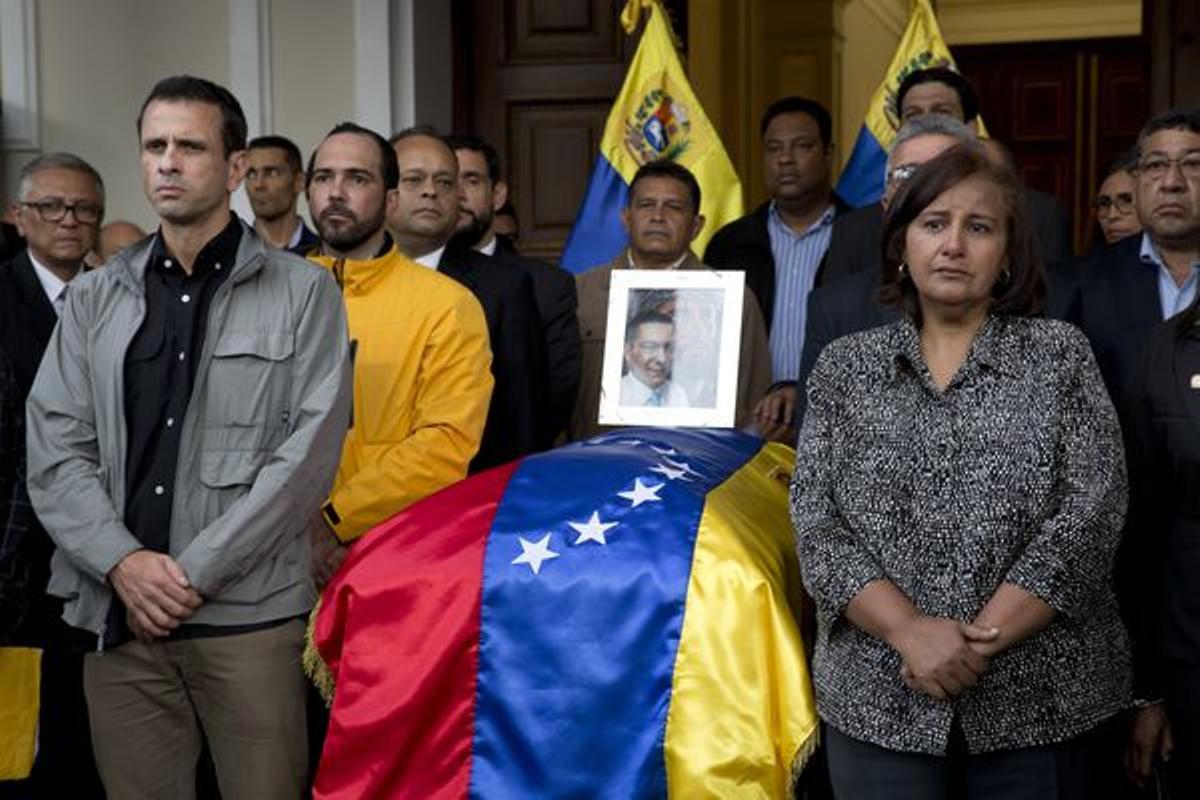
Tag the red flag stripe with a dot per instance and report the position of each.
(420, 653)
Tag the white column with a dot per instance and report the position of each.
(19, 75)
(372, 65)
(250, 74)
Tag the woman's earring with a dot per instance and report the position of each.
(901, 269)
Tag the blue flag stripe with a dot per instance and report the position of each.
(591, 635)
(597, 236)
(862, 180)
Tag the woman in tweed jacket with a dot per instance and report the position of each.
(958, 497)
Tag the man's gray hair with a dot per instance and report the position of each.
(56, 161)
(930, 125)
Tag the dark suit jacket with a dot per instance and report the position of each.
(26, 318)
(841, 307)
(1051, 227)
(308, 241)
(745, 244)
(554, 290)
(1114, 300)
(518, 407)
(854, 243)
(1164, 511)
(26, 321)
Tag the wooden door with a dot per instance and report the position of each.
(1064, 108)
(537, 78)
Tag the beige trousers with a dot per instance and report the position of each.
(150, 703)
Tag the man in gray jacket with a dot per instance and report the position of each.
(184, 426)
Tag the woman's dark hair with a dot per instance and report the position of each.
(1020, 290)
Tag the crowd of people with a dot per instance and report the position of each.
(998, 443)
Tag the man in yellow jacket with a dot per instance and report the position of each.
(422, 378)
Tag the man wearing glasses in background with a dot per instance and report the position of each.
(59, 206)
(1121, 294)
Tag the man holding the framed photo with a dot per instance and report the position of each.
(662, 218)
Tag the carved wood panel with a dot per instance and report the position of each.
(1064, 109)
(537, 79)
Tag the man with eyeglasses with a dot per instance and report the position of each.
(649, 356)
(1122, 292)
(59, 206)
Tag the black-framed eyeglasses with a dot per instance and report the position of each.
(55, 210)
(1155, 167)
(1121, 203)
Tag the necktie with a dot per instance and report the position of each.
(655, 399)
(61, 300)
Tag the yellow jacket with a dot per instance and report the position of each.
(422, 383)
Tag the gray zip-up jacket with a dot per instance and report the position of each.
(259, 446)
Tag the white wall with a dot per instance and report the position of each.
(95, 65)
(97, 59)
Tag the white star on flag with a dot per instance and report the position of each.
(671, 474)
(664, 451)
(533, 554)
(681, 465)
(592, 530)
(641, 493)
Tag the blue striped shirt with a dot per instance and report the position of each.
(797, 257)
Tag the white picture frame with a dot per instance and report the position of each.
(692, 321)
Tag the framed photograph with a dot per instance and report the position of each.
(671, 348)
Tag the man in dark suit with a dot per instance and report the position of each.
(782, 243)
(59, 207)
(1120, 295)
(423, 227)
(482, 191)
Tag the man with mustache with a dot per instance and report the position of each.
(423, 220)
(482, 191)
(662, 217)
(421, 357)
(59, 207)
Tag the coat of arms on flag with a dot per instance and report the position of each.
(616, 618)
(655, 116)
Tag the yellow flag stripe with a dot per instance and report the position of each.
(20, 688)
(742, 718)
(921, 46)
(656, 80)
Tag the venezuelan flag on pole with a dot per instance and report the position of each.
(655, 116)
(612, 619)
(921, 47)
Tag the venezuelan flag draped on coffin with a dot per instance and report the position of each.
(615, 618)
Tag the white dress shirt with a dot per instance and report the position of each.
(54, 286)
